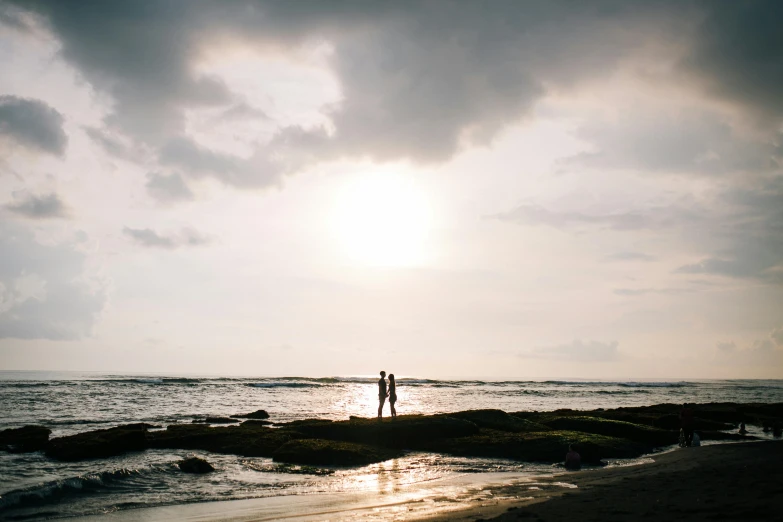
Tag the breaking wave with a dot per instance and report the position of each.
(56, 490)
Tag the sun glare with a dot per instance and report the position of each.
(383, 219)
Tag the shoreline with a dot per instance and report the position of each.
(733, 481)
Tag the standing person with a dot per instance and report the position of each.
(686, 422)
(382, 393)
(392, 394)
(573, 460)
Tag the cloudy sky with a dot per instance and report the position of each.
(468, 189)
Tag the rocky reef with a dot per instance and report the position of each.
(526, 436)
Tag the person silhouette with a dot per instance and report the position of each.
(392, 394)
(382, 393)
(687, 423)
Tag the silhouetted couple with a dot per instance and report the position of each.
(391, 393)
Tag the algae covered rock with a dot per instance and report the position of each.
(614, 428)
(499, 420)
(404, 431)
(258, 414)
(256, 422)
(549, 446)
(195, 465)
(24, 439)
(99, 443)
(247, 440)
(319, 452)
(215, 420)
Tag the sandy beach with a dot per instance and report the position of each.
(719, 482)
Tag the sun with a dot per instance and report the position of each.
(383, 219)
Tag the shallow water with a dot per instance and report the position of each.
(32, 486)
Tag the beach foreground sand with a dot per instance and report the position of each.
(739, 481)
(720, 482)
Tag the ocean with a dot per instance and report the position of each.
(33, 487)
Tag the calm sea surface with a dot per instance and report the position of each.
(34, 487)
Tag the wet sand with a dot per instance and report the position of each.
(720, 482)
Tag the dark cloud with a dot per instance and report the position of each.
(39, 207)
(168, 188)
(149, 238)
(421, 80)
(579, 351)
(33, 124)
(46, 291)
(417, 79)
(738, 55)
(141, 54)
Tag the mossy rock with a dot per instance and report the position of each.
(216, 420)
(319, 452)
(404, 431)
(247, 440)
(24, 439)
(258, 415)
(719, 435)
(99, 443)
(195, 465)
(303, 422)
(549, 446)
(499, 420)
(614, 428)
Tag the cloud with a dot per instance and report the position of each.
(667, 139)
(766, 352)
(727, 347)
(643, 291)
(39, 207)
(241, 111)
(46, 291)
(777, 336)
(118, 145)
(752, 231)
(168, 188)
(197, 161)
(630, 256)
(33, 124)
(624, 220)
(581, 351)
(149, 238)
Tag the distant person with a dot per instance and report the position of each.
(696, 440)
(686, 422)
(573, 460)
(742, 429)
(382, 393)
(392, 394)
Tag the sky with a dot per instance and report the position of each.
(510, 190)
